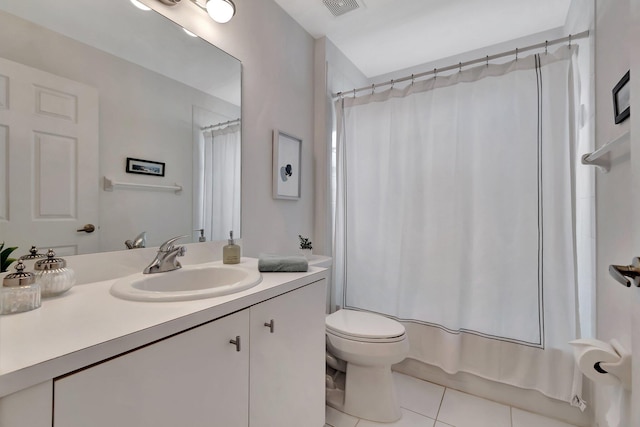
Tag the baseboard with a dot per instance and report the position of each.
(527, 400)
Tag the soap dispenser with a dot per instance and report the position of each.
(231, 252)
(201, 238)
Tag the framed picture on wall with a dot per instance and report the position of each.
(287, 159)
(622, 99)
(144, 167)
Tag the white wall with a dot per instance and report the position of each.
(277, 93)
(613, 204)
(333, 72)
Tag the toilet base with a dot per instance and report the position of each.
(369, 393)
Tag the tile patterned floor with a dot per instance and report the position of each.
(425, 404)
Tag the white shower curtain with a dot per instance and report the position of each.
(218, 160)
(455, 216)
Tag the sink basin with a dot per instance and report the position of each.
(188, 283)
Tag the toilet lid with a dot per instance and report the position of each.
(360, 324)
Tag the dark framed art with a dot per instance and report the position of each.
(622, 99)
(144, 167)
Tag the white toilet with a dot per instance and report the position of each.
(361, 347)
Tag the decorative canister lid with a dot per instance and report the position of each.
(19, 278)
(33, 254)
(51, 263)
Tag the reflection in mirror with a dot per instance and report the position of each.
(88, 84)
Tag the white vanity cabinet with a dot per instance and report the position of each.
(199, 378)
(195, 378)
(288, 365)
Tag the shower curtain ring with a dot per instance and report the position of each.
(569, 41)
(546, 44)
(373, 88)
(516, 54)
(459, 67)
(435, 73)
(392, 83)
(412, 80)
(354, 93)
(487, 60)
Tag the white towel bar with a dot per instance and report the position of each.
(595, 158)
(109, 185)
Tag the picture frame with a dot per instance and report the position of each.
(144, 167)
(622, 99)
(287, 162)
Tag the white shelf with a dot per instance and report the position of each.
(596, 158)
(109, 185)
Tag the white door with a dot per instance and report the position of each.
(49, 156)
(635, 187)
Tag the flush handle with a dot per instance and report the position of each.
(270, 325)
(88, 228)
(622, 273)
(236, 342)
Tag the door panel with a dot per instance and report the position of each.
(49, 132)
(635, 186)
(194, 379)
(287, 365)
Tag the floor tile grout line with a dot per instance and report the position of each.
(417, 413)
(440, 405)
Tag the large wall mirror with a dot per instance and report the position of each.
(114, 117)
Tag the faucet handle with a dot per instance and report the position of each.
(168, 245)
(182, 250)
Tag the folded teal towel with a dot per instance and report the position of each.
(280, 263)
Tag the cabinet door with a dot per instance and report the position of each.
(288, 364)
(196, 378)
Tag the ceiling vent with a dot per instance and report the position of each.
(340, 7)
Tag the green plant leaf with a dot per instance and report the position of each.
(5, 261)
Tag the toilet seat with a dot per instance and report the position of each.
(364, 327)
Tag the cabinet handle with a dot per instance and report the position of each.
(236, 342)
(271, 325)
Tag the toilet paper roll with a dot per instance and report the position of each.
(589, 353)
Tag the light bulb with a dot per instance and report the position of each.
(221, 11)
(139, 5)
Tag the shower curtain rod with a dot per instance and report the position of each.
(230, 122)
(459, 65)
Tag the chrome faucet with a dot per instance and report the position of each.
(166, 258)
(139, 242)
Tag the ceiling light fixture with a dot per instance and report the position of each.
(140, 6)
(221, 11)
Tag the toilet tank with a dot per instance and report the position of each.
(324, 262)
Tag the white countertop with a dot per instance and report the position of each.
(87, 325)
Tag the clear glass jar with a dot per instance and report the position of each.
(19, 292)
(53, 276)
